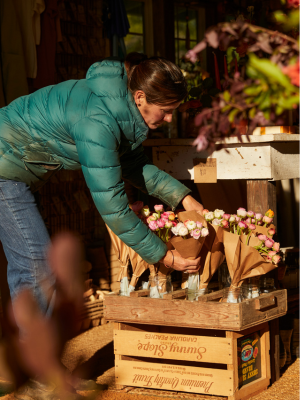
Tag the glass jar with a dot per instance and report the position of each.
(232, 295)
(224, 276)
(160, 285)
(267, 285)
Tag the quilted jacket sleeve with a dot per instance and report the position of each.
(137, 168)
(97, 144)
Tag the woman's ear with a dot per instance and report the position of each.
(139, 98)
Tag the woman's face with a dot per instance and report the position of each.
(153, 114)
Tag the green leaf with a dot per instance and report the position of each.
(252, 112)
(253, 90)
(226, 108)
(278, 110)
(267, 115)
(232, 114)
(208, 83)
(226, 95)
(272, 72)
(266, 102)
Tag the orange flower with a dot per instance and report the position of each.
(270, 213)
(292, 71)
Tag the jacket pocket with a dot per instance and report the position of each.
(42, 165)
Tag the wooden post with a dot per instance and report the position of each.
(261, 195)
(274, 350)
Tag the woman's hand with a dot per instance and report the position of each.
(179, 263)
(190, 204)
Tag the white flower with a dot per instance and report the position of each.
(191, 225)
(216, 221)
(241, 213)
(156, 216)
(174, 230)
(168, 224)
(232, 218)
(204, 232)
(219, 213)
(182, 231)
(179, 225)
(209, 216)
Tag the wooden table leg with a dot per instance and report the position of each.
(261, 195)
(274, 350)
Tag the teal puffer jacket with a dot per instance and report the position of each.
(92, 124)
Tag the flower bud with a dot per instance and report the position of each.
(269, 243)
(258, 216)
(242, 225)
(241, 212)
(276, 259)
(191, 225)
(209, 216)
(276, 246)
(159, 207)
(262, 237)
(216, 222)
(270, 213)
(199, 224)
(226, 217)
(155, 216)
(232, 218)
(252, 227)
(145, 211)
(224, 223)
(250, 214)
(267, 220)
(218, 213)
(271, 231)
(204, 232)
(196, 233)
(137, 206)
(169, 224)
(205, 211)
(183, 231)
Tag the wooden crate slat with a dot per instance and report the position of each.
(172, 377)
(172, 312)
(173, 346)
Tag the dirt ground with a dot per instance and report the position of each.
(90, 356)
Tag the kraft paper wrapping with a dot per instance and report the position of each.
(189, 248)
(124, 254)
(163, 271)
(212, 255)
(243, 260)
(263, 230)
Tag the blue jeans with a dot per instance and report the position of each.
(25, 241)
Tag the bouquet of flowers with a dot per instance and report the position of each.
(247, 250)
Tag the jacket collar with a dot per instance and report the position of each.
(109, 78)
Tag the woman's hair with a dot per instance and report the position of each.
(162, 81)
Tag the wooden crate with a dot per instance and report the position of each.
(215, 362)
(207, 313)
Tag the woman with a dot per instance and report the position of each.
(97, 124)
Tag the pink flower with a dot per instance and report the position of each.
(169, 224)
(250, 214)
(267, 220)
(242, 225)
(237, 219)
(269, 243)
(196, 233)
(248, 220)
(225, 223)
(199, 224)
(259, 223)
(292, 70)
(159, 208)
(201, 142)
(252, 227)
(262, 237)
(270, 255)
(276, 246)
(271, 231)
(258, 216)
(276, 259)
(226, 216)
(153, 225)
(165, 215)
(161, 223)
(204, 232)
(174, 223)
(216, 222)
(137, 206)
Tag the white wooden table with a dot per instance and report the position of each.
(269, 157)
